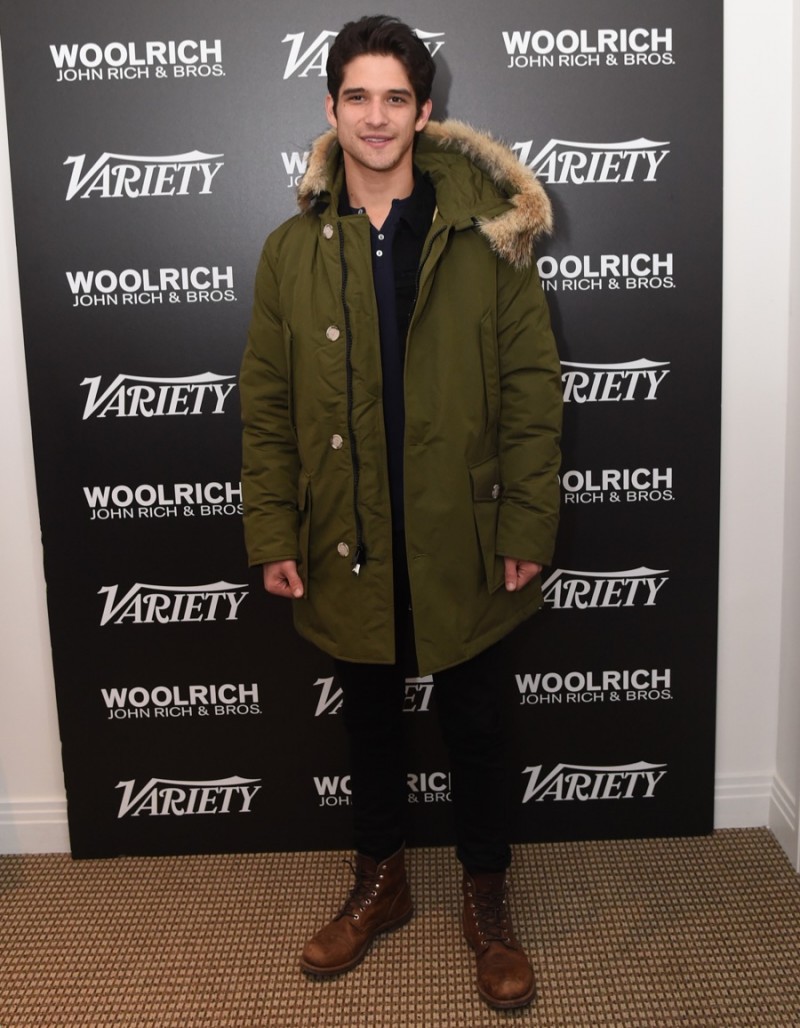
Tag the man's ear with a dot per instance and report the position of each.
(330, 110)
(423, 116)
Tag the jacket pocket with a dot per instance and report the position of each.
(486, 490)
(304, 526)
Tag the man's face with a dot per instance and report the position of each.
(376, 115)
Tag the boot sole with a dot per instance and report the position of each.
(328, 972)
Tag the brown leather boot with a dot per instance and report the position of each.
(505, 978)
(379, 901)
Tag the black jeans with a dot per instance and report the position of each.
(470, 718)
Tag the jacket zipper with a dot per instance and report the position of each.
(360, 555)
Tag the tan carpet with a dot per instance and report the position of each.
(639, 933)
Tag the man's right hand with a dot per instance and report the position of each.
(281, 579)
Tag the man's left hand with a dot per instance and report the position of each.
(519, 573)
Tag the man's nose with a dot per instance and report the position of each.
(376, 112)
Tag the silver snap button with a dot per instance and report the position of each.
(343, 550)
(332, 332)
(336, 441)
(495, 491)
(327, 231)
(379, 253)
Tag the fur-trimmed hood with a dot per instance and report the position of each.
(506, 200)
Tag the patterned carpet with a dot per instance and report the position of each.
(643, 933)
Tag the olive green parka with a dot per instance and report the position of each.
(482, 409)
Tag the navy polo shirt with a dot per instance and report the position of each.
(396, 254)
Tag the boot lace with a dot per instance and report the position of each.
(491, 916)
(364, 891)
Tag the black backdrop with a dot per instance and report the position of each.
(153, 147)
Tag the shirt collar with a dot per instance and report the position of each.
(416, 210)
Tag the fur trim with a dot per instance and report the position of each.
(512, 233)
(315, 178)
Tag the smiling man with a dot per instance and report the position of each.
(402, 408)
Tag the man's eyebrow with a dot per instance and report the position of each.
(360, 89)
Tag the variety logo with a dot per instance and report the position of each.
(618, 485)
(417, 700)
(134, 396)
(161, 797)
(203, 499)
(305, 60)
(562, 162)
(140, 703)
(115, 175)
(587, 48)
(106, 288)
(585, 273)
(93, 62)
(171, 604)
(594, 687)
(589, 782)
(584, 590)
(612, 383)
(423, 787)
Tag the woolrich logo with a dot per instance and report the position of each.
(612, 383)
(417, 699)
(586, 273)
(115, 175)
(146, 604)
(294, 164)
(202, 499)
(423, 787)
(134, 396)
(584, 590)
(161, 797)
(617, 485)
(551, 687)
(223, 700)
(583, 782)
(588, 48)
(562, 162)
(107, 288)
(96, 62)
(309, 58)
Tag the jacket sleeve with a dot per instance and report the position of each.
(270, 463)
(529, 429)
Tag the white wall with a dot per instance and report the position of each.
(32, 802)
(759, 641)
(784, 811)
(758, 83)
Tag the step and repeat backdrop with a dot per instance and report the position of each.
(153, 148)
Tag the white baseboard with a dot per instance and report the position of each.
(783, 820)
(742, 801)
(33, 826)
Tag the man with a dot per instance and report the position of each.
(401, 399)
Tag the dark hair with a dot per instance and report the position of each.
(380, 34)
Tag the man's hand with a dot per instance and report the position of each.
(281, 579)
(519, 573)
